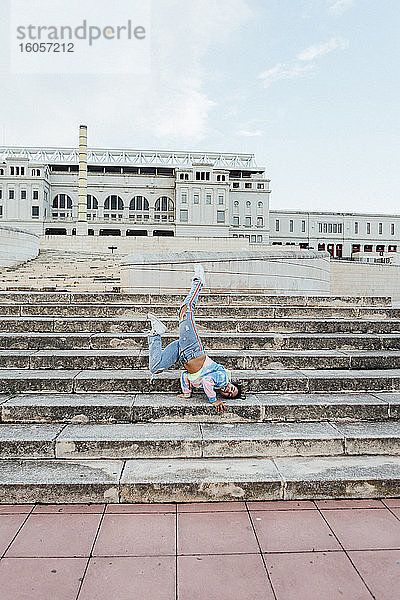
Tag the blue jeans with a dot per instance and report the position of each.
(189, 344)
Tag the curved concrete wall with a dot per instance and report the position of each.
(17, 245)
(271, 271)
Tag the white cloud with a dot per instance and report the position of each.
(340, 6)
(247, 133)
(285, 71)
(318, 50)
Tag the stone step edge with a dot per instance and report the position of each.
(198, 480)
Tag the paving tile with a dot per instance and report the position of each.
(391, 502)
(353, 503)
(199, 507)
(315, 576)
(216, 533)
(13, 509)
(241, 577)
(41, 578)
(140, 508)
(293, 531)
(365, 529)
(9, 525)
(396, 511)
(136, 535)
(68, 508)
(130, 578)
(380, 571)
(56, 535)
(282, 505)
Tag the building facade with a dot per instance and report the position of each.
(135, 193)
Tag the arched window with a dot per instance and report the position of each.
(260, 204)
(113, 203)
(1, 171)
(62, 201)
(92, 203)
(139, 203)
(248, 203)
(164, 209)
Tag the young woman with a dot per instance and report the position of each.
(200, 370)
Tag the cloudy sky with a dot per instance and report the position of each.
(310, 86)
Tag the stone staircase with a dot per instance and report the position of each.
(82, 420)
(64, 270)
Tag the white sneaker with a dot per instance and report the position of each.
(199, 273)
(157, 327)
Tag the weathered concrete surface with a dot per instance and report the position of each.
(68, 408)
(139, 440)
(198, 480)
(340, 477)
(371, 438)
(57, 481)
(28, 440)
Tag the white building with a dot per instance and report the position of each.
(136, 193)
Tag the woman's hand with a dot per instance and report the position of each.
(219, 406)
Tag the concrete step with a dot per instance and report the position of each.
(124, 311)
(199, 479)
(128, 381)
(201, 440)
(223, 325)
(232, 359)
(215, 341)
(168, 408)
(206, 298)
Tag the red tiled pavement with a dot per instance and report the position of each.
(41, 578)
(365, 529)
(136, 535)
(216, 533)
(380, 571)
(57, 535)
(392, 502)
(223, 577)
(133, 578)
(315, 576)
(293, 531)
(129, 551)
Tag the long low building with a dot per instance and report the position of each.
(183, 194)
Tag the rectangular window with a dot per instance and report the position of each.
(330, 229)
(259, 239)
(392, 229)
(248, 185)
(356, 227)
(236, 221)
(12, 170)
(303, 226)
(184, 215)
(380, 226)
(320, 227)
(335, 228)
(207, 176)
(1, 194)
(196, 199)
(35, 211)
(11, 194)
(260, 186)
(260, 222)
(220, 216)
(35, 195)
(23, 194)
(253, 239)
(325, 227)
(1, 211)
(184, 198)
(368, 228)
(277, 225)
(22, 170)
(220, 199)
(208, 198)
(291, 226)
(339, 227)
(248, 222)
(235, 184)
